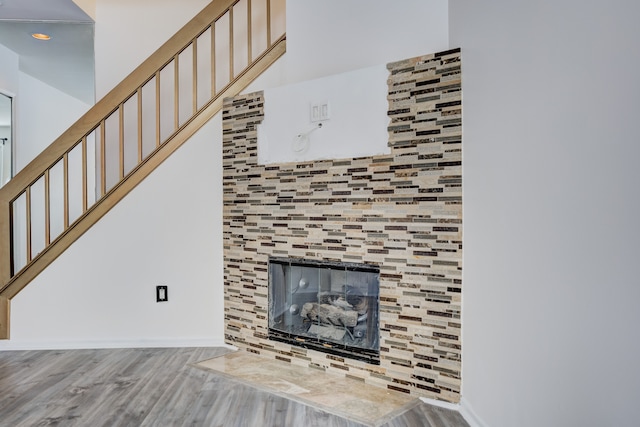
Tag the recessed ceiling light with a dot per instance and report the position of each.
(40, 36)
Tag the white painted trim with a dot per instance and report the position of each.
(73, 345)
(469, 415)
(463, 407)
(13, 126)
(441, 404)
(7, 93)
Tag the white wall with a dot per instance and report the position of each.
(551, 205)
(9, 73)
(357, 112)
(342, 45)
(5, 154)
(101, 291)
(9, 86)
(169, 229)
(330, 37)
(43, 113)
(128, 31)
(333, 36)
(146, 236)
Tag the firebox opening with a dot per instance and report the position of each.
(326, 306)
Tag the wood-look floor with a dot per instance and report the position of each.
(155, 387)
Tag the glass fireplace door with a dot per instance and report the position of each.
(329, 306)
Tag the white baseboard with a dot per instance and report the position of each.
(441, 404)
(469, 415)
(74, 345)
(463, 407)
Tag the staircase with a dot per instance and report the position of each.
(51, 202)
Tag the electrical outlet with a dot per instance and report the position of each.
(162, 293)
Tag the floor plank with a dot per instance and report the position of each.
(156, 387)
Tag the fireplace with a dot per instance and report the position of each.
(400, 211)
(326, 306)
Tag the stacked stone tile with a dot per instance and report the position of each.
(402, 212)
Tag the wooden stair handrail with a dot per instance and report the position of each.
(112, 100)
(10, 284)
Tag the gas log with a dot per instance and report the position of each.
(329, 314)
(327, 332)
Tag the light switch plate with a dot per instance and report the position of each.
(320, 111)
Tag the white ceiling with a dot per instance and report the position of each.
(65, 62)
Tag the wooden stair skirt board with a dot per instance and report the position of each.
(5, 308)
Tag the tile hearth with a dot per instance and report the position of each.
(342, 396)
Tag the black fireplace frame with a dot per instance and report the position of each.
(371, 356)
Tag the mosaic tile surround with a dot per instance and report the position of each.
(402, 212)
